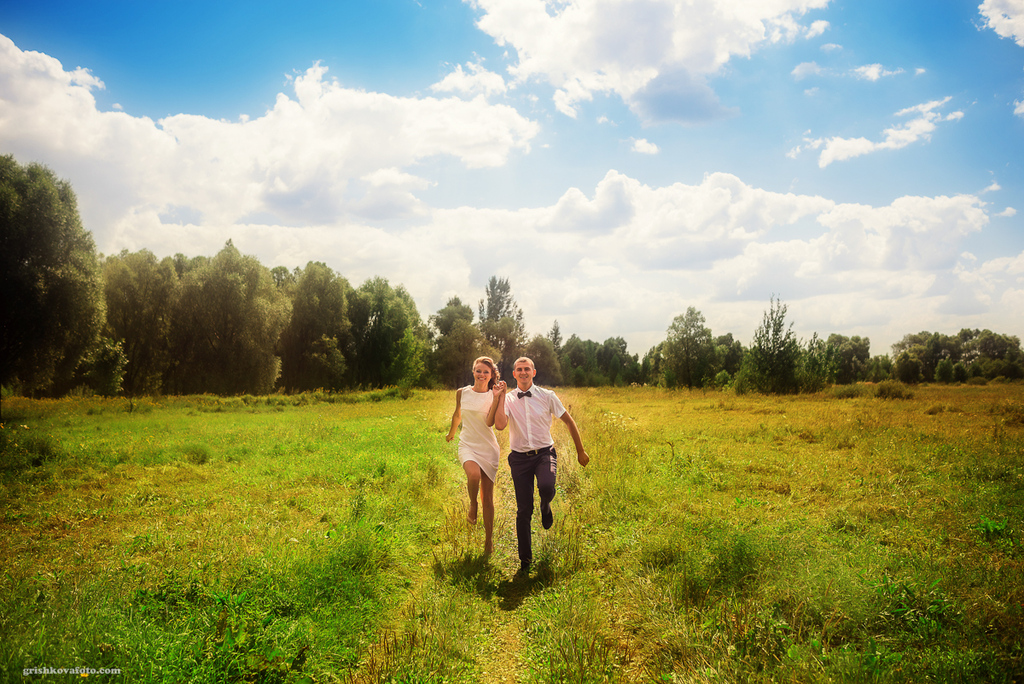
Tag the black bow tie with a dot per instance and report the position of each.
(525, 394)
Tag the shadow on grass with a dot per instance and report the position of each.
(476, 573)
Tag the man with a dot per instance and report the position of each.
(529, 411)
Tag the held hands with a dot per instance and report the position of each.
(499, 389)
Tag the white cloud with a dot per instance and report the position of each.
(627, 46)
(1018, 109)
(306, 160)
(642, 146)
(817, 28)
(627, 251)
(1005, 17)
(873, 72)
(477, 81)
(895, 138)
(1009, 212)
(805, 69)
(831, 47)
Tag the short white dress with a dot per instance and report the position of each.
(477, 441)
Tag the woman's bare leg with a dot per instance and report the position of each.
(487, 492)
(472, 486)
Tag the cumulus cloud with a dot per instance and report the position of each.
(805, 69)
(622, 46)
(476, 81)
(925, 120)
(643, 146)
(873, 72)
(625, 250)
(1005, 17)
(326, 151)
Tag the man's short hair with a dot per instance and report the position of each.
(527, 359)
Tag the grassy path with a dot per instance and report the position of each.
(461, 601)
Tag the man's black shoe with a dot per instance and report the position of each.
(546, 517)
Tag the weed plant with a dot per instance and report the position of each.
(838, 536)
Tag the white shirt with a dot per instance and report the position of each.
(530, 418)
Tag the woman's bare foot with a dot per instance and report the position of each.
(471, 516)
(488, 547)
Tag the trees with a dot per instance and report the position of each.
(728, 354)
(457, 342)
(541, 351)
(384, 354)
(501, 322)
(227, 324)
(555, 335)
(53, 297)
(770, 365)
(317, 338)
(689, 349)
(819, 364)
(853, 353)
(141, 294)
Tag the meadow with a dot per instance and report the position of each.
(847, 536)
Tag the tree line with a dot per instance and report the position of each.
(136, 324)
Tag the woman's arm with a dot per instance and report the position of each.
(456, 417)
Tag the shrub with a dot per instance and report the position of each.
(893, 389)
(848, 391)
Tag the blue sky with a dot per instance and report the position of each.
(618, 161)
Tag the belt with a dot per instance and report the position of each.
(534, 452)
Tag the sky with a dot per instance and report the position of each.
(618, 161)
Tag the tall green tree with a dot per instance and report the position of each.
(456, 343)
(819, 364)
(728, 354)
(853, 355)
(380, 317)
(229, 319)
(770, 365)
(53, 306)
(141, 295)
(318, 336)
(542, 352)
(501, 322)
(555, 335)
(690, 349)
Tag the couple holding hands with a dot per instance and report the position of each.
(527, 412)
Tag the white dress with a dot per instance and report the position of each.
(477, 441)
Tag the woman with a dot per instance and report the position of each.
(478, 447)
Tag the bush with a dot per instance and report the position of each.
(893, 389)
(848, 391)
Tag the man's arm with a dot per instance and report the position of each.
(496, 414)
(574, 432)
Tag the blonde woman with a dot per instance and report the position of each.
(478, 447)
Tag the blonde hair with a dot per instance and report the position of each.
(489, 362)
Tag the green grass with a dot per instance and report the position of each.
(841, 537)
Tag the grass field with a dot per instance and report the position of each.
(713, 538)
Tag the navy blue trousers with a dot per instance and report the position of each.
(527, 468)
